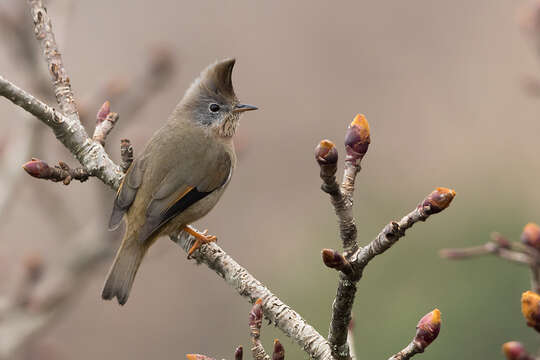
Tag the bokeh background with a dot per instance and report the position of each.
(442, 85)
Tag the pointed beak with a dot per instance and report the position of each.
(244, 107)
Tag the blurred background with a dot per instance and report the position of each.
(449, 90)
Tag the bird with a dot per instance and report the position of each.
(179, 176)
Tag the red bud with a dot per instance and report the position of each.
(239, 353)
(531, 235)
(335, 260)
(279, 351)
(514, 350)
(103, 111)
(37, 168)
(438, 200)
(326, 153)
(357, 138)
(428, 329)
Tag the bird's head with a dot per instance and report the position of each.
(211, 102)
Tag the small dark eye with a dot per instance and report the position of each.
(214, 107)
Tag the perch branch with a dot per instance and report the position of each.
(280, 314)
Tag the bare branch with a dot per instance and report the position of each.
(38, 303)
(434, 203)
(61, 172)
(427, 331)
(126, 154)
(357, 141)
(105, 121)
(355, 259)
(280, 314)
(488, 248)
(69, 131)
(59, 77)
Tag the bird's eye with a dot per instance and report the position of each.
(214, 107)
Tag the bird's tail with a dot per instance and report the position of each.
(123, 270)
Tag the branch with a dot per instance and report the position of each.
(61, 172)
(526, 253)
(126, 154)
(427, 331)
(69, 132)
(59, 77)
(98, 163)
(40, 301)
(434, 203)
(277, 312)
(357, 142)
(105, 121)
(355, 259)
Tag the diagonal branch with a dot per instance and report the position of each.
(275, 310)
(69, 132)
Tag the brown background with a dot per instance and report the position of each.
(441, 85)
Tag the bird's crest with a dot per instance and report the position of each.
(217, 79)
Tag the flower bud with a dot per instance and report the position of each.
(239, 353)
(531, 235)
(255, 319)
(428, 329)
(37, 168)
(514, 350)
(326, 153)
(335, 260)
(530, 307)
(279, 351)
(103, 111)
(357, 138)
(437, 201)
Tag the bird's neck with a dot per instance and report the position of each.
(228, 126)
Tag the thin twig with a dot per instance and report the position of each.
(427, 331)
(126, 154)
(105, 121)
(255, 323)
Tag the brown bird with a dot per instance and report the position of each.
(179, 177)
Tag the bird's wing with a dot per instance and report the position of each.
(182, 187)
(127, 191)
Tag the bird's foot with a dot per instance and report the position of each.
(200, 238)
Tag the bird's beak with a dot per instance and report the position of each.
(244, 107)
